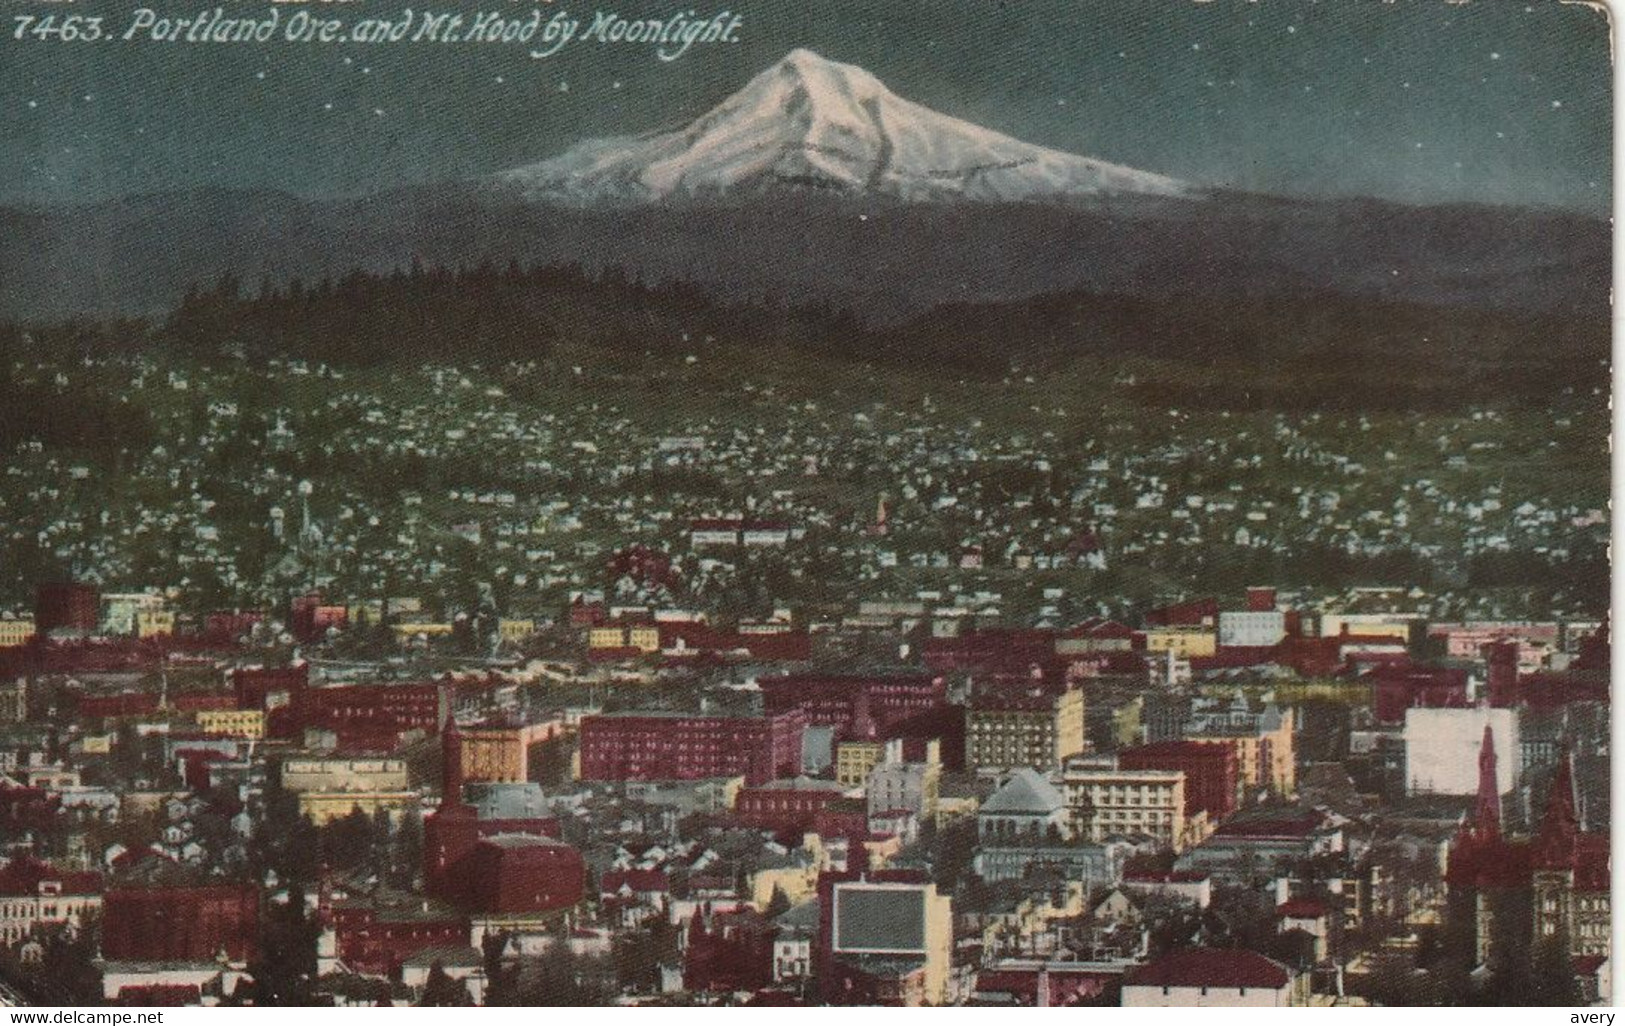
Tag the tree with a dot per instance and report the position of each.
(289, 845)
(441, 991)
(1554, 982)
(348, 843)
(284, 967)
(68, 969)
(1510, 956)
(406, 852)
(549, 761)
(499, 978)
(777, 905)
(564, 978)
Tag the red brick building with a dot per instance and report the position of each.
(1195, 613)
(843, 701)
(199, 701)
(728, 951)
(519, 874)
(124, 703)
(848, 817)
(1212, 774)
(160, 912)
(684, 746)
(372, 717)
(253, 683)
(309, 617)
(785, 806)
(1397, 688)
(66, 607)
(989, 649)
(512, 866)
(222, 626)
(376, 937)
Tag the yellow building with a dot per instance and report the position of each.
(798, 881)
(95, 744)
(1015, 927)
(1266, 750)
(322, 807)
(407, 631)
(1128, 722)
(496, 755)
(16, 632)
(855, 760)
(347, 775)
(1183, 642)
(1004, 731)
(14, 701)
(1106, 800)
(643, 637)
(515, 631)
(151, 623)
(1371, 625)
(365, 613)
(232, 722)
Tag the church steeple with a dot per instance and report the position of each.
(451, 763)
(1561, 822)
(1487, 824)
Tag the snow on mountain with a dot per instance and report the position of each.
(813, 123)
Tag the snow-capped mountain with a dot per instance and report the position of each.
(807, 122)
(1027, 222)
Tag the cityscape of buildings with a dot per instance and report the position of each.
(730, 723)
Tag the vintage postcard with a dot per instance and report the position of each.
(519, 502)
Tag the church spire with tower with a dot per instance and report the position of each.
(1487, 824)
(451, 759)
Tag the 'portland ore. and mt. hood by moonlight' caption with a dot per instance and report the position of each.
(669, 38)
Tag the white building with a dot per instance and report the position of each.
(1251, 629)
(33, 894)
(1026, 809)
(1442, 748)
(896, 786)
(793, 946)
(1109, 802)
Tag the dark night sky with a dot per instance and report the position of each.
(1420, 100)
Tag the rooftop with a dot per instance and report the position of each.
(1211, 967)
(1027, 791)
